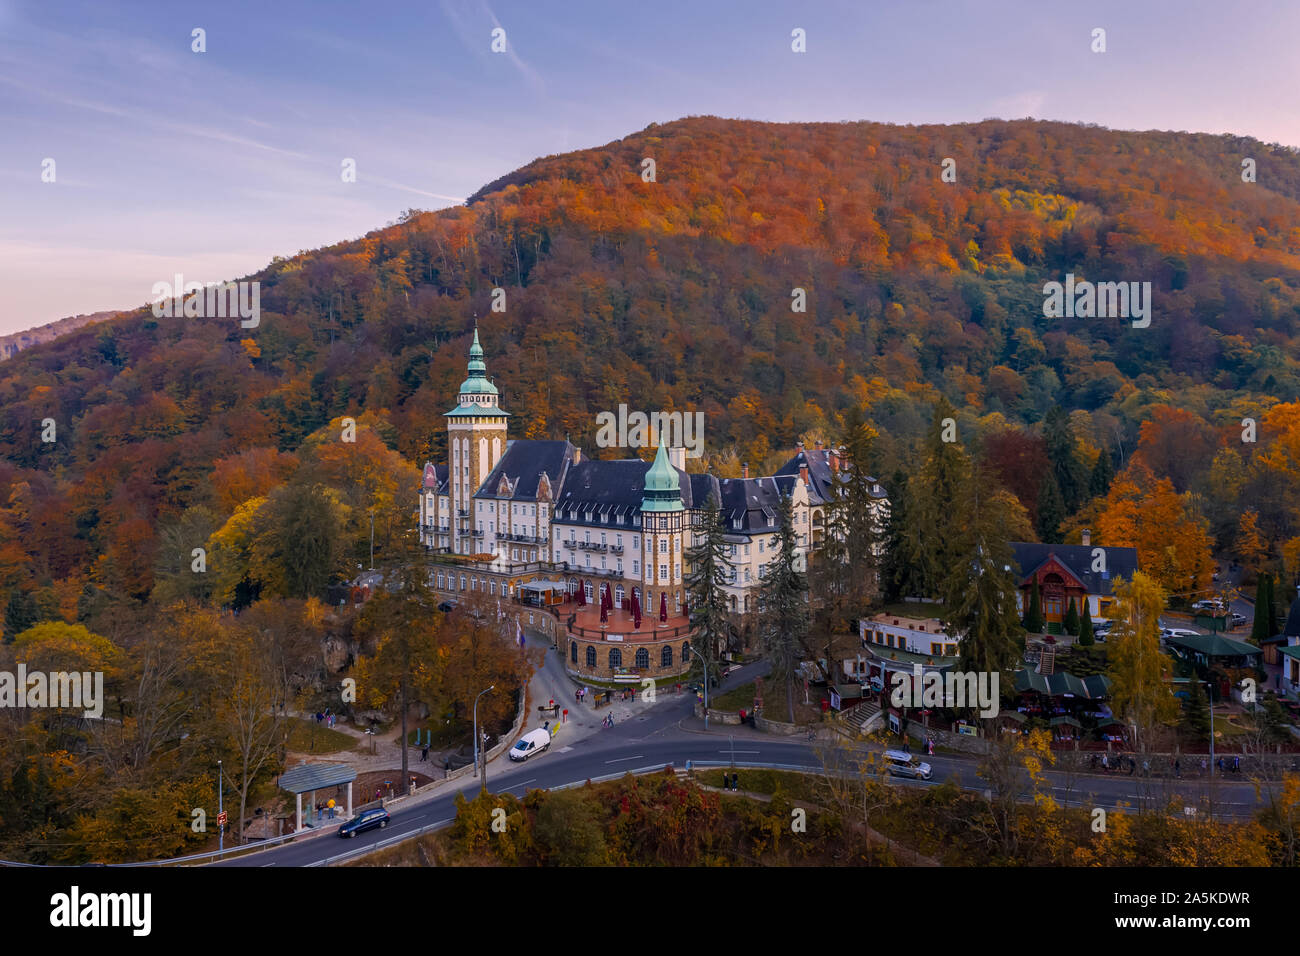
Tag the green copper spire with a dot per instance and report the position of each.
(477, 383)
(662, 485)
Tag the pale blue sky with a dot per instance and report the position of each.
(210, 164)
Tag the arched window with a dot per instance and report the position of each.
(618, 596)
(573, 651)
(686, 651)
(591, 657)
(666, 658)
(615, 657)
(643, 658)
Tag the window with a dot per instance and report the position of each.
(936, 650)
(666, 657)
(618, 596)
(663, 545)
(573, 651)
(636, 568)
(615, 657)
(760, 545)
(663, 572)
(591, 657)
(686, 650)
(643, 658)
(492, 587)
(440, 579)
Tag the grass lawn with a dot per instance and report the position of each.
(734, 700)
(307, 736)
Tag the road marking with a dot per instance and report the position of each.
(739, 751)
(564, 750)
(522, 782)
(621, 759)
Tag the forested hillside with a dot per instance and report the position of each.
(677, 293)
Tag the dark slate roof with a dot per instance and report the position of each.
(752, 501)
(819, 473)
(697, 488)
(604, 488)
(1120, 562)
(435, 478)
(1292, 628)
(316, 776)
(1213, 645)
(523, 463)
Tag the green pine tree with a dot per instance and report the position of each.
(934, 497)
(1051, 508)
(1071, 477)
(979, 590)
(845, 580)
(1034, 616)
(1196, 713)
(708, 572)
(1103, 473)
(783, 606)
(1261, 627)
(1086, 638)
(1071, 619)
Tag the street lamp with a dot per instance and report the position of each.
(705, 664)
(476, 740)
(221, 830)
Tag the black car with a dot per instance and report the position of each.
(366, 820)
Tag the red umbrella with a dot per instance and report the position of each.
(636, 611)
(663, 607)
(582, 594)
(606, 599)
(686, 609)
(604, 613)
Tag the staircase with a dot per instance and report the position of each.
(856, 720)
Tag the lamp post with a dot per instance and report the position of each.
(477, 747)
(705, 664)
(372, 539)
(221, 830)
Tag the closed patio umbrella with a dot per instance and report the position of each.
(663, 607)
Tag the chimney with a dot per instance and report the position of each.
(744, 471)
(799, 447)
(819, 445)
(833, 456)
(577, 455)
(1087, 536)
(677, 457)
(803, 474)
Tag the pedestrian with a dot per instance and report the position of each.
(1092, 764)
(1219, 763)
(1236, 765)
(1203, 766)
(1178, 768)
(1146, 768)
(735, 782)
(1105, 763)
(907, 747)
(424, 755)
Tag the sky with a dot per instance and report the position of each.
(209, 164)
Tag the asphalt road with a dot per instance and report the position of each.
(669, 733)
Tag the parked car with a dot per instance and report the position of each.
(365, 820)
(902, 764)
(533, 742)
(1238, 620)
(1209, 604)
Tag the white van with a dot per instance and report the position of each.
(533, 742)
(902, 764)
(1168, 632)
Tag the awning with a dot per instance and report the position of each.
(1064, 722)
(542, 586)
(1015, 715)
(316, 776)
(1112, 722)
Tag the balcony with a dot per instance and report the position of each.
(569, 544)
(462, 512)
(615, 549)
(476, 533)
